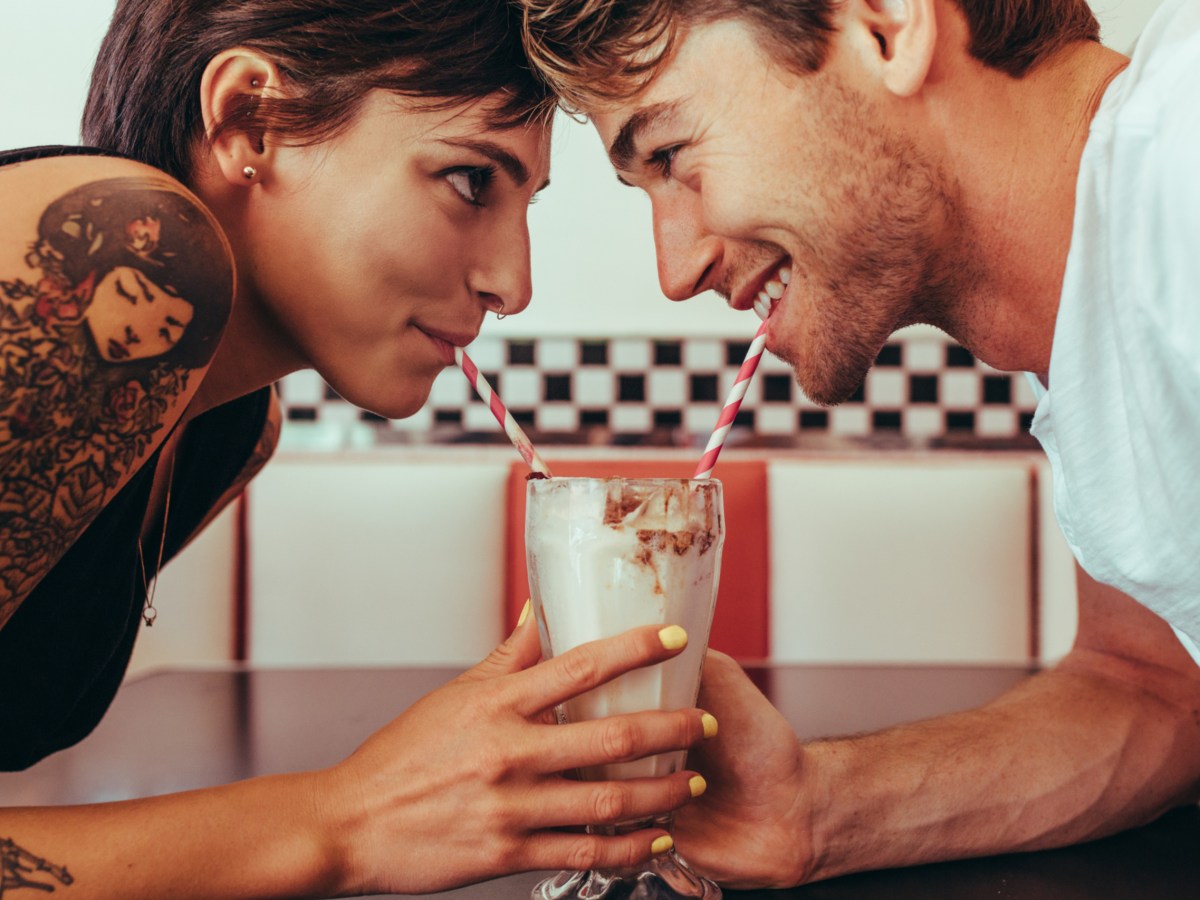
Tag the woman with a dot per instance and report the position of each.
(274, 185)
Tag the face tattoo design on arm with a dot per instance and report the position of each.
(132, 287)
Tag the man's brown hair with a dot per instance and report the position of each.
(604, 50)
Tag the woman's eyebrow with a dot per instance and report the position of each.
(514, 167)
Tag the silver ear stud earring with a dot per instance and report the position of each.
(249, 172)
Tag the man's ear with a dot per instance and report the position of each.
(233, 85)
(904, 37)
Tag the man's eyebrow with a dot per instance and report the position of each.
(514, 167)
(624, 146)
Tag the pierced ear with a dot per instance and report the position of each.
(233, 85)
(906, 34)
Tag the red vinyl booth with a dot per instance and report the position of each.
(742, 619)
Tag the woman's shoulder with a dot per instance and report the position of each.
(115, 286)
(33, 180)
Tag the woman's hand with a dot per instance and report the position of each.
(750, 829)
(467, 784)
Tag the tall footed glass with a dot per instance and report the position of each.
(604, 556)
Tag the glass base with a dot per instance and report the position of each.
(665, 877)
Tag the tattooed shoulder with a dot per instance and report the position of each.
(118, 302)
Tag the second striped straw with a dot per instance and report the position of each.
(729, 412)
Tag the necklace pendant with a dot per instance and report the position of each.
(149, 614)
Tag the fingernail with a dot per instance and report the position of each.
(524, 613)
(709, 724)
(697, 785)
(662, 844)
(673, 637)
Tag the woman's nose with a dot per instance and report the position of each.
(504, 280)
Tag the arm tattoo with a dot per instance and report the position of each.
(131, 289)
(18, 868)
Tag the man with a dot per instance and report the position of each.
(849, 168)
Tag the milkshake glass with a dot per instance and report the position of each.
(606, 555)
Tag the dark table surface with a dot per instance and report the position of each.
(177, 730)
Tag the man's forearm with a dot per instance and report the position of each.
(1067, 756)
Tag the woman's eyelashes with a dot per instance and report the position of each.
(471, 182)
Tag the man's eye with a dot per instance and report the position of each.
(662, 160)
(471, 182)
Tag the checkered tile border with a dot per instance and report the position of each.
(921, 388)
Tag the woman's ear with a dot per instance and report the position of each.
(233, 85)
(905, 38)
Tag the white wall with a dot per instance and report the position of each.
(593, 259)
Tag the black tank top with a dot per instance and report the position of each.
(64, 652)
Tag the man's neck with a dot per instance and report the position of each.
(1015, 147)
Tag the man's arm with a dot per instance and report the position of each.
(1107, 739)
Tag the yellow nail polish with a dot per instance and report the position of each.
(662, 844)
(524, 613)
(673, 637)
(709, 723)
(697, 785)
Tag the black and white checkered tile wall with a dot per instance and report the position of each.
(921, 388)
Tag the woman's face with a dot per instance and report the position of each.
(130, 317)
(372, 254)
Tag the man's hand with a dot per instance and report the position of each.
(749, 828)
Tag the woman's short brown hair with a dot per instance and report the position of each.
(604, 50)
(144, 97)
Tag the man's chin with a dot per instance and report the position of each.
(826, 388)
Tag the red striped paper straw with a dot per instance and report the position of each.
(500, 411)
(732, 402)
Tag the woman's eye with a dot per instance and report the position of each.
(471, 182)
(662, 160)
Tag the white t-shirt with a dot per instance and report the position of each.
(1120, 422)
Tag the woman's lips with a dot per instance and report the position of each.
(445, 342)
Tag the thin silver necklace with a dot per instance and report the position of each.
(149, 613)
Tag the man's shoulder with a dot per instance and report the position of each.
(1162, 82)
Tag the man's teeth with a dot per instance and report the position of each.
(771, 292)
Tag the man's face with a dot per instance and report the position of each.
(789, 194)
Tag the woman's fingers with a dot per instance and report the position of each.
(620, 738)
(580, 669)
(578, 852)
(567, 803)
(520, 651)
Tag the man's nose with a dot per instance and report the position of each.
(687, 254)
